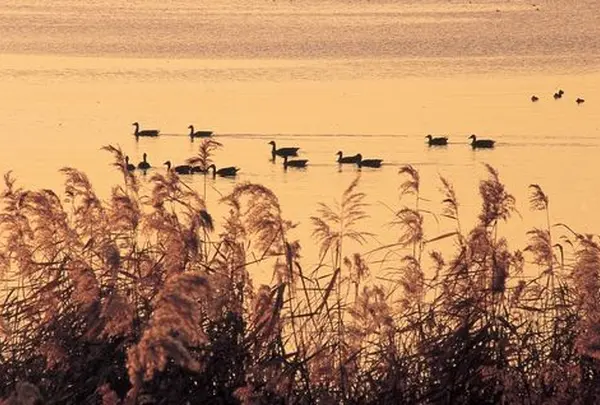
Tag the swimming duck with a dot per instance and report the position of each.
(144, 165)
(198, 134)
(282, 152)
(145, 132)
(224, 171)
(534, 98)
(128, 165)
(181, 169)
(579, 100)
(439, 141)
(294, 163)
(368, 162)
(347, 159)
(481, 143)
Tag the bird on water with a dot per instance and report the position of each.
(438, 141)
(368, 162)
(481, 143)
(298, 163)
(144, 165)
(579, 100)
(282, 152)
(181, 169)
(145, 132)
(558, 94)
(198, 134)
(534, 98)
(223, 172)
(128, 165)
(347, 159)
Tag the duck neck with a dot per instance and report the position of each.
(191, 130)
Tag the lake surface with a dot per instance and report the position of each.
(369, 77)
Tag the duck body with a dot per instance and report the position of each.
(298, 163)
(224, 171)
(144, 165)
(347, 159)
(128, 165)
(145, 132)
(181, 169)
(438, 141)
(283, 152)
(481, 143)
(198, 169)
(368, 162)
(579, 100)
(534, 98)
(199, 134)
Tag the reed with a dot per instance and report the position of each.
(136, 299)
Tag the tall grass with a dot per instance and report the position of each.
(136, 299)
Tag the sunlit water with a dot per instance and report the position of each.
(369, 77)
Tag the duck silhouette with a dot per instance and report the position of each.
(579, 100)
(534, 98)
(145, 132)
(298, 163)
(144, 165)
(181, 169)
(347, 159)
(223, 172)
(481, 143)
(368, 162)
(198, 134)
(558, 94)
(282, 152)
(438, 141)
(128, 165)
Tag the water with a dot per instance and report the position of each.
(369, 77)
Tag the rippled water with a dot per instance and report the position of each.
(363, 77)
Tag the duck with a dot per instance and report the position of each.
(438, 141)
(224, 171)
(128, 165)
(282, 152)
(534, 98)
(579, 100)
(198, 134)
(145, 132)
(481, 143)
(144, 165)
(558, 94)
(181, 169)
(299, 163)
(346, 159)
(368, 162)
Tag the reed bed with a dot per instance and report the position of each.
(136, 299)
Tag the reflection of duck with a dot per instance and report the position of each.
(368, 162)
(198, 134)
(223, 172)
(282, 152)
(439, 141)
(347, 159)
(294, 163)
(481, 143)
(579, 100)
(145, 132)
(534, 98)
(181, 169)
(128, 165)
(144, 165)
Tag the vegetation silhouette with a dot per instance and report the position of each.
(137, 299)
